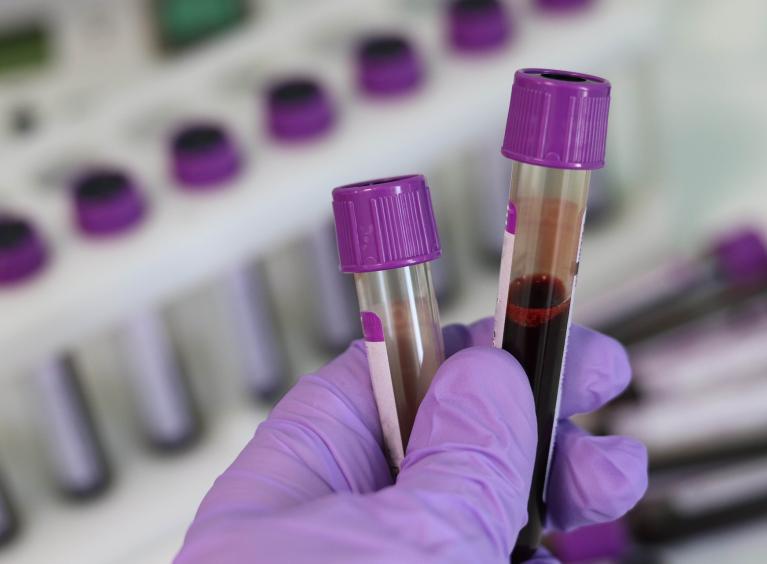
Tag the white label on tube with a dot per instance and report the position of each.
(66, 427)
(504, 280)
(383, 389)
(156, 380)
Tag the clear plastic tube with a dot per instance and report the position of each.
(539, 267)
(74, 447)
(556, 133)
(400, 306)
(683, 289)
(698, 500)
(264, 365)
(387, 236)
(162, 393)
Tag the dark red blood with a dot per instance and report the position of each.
(535, 332)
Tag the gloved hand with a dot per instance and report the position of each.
(313, 484)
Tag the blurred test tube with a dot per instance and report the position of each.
(300, 112)
(73, 447)
(204, 159)
(107, 203)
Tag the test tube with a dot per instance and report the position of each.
(204, 158)
(701, 500)
(732, 269)
(300, 112)
(107, 204)
(79, 461)
(387, 237)
(73, 447)
(555, 135)
(475, 30)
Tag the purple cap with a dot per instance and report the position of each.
(741, 256)
(563, 5)
(477, 25)
(22, 250)
(606, 540)
(106, 202)
(298, 109)
(203, 155)
(386, 223)
(388, 65)
(557, 119)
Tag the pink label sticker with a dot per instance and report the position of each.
(511, 218)
(372, 328)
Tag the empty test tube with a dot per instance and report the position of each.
(732, 269)
(300, 111)
(555, 135)
(107, 204)
(73, 447)
(388, 246)
(477, 28)
(204, 158)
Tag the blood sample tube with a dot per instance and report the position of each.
(731, 270)
(387, 237)
(555, 135)
(107, 204)
(300, 111)
(73, 447)
(205, 158)
(390, 69)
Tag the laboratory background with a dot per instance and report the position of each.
(168, 264)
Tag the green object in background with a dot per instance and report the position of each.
(24, 48)
(184, 23)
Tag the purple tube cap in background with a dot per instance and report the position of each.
(203, 156)
(475, 26)
(385, 223)
(106, 202)
(557, 119)
(298, 109)
(742, 256)
(22, 250)
(388, 65)
(563, 5)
